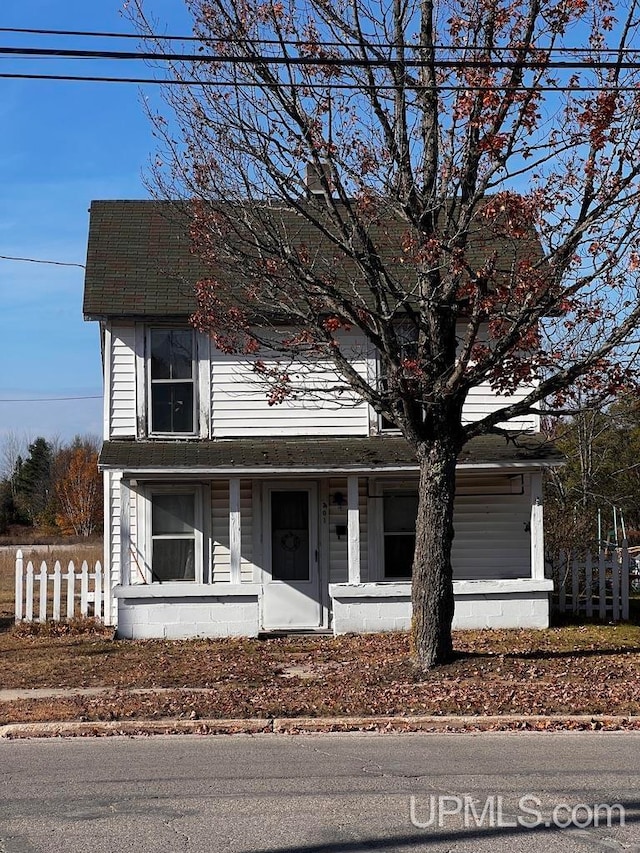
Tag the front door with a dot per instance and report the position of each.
(291, 579)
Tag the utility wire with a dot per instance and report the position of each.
(39, 261)
(49, 399)
(331, 61)
(300, 42)
(319, 86)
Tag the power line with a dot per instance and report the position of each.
(49, 399)
(39, 261)
(323, 87)
(300, 42)
(322, 61)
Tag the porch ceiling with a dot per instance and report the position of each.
(313, 455)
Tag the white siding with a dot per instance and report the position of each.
(492, 530)
(113, 531)
(482, 401)
(136, 547)
(123, 382)
(491, 522)
(239, 404)
(220, 555)
(338, 559)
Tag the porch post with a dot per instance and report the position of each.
(353, 529)
(537, 540)
(235, 530)
(125, 533)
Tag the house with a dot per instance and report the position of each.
(227, 516)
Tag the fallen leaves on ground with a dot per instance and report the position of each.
(571, 670)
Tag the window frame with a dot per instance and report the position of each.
(409, 348)
(376, 538)
(389, 491)
(198, 530)
(150, 383)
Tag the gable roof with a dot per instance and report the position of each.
(140, 262)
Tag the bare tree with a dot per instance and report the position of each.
(13, 446)
(442, 137)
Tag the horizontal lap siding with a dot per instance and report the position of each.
(114, 533)
(220, 555)
(123, 383)
(491, 533)
(240, 406)
(481, 401)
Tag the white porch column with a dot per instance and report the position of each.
(537, 540)
(353, 529)
(125, 532)
(235, 530)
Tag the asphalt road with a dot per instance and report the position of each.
(317, 793)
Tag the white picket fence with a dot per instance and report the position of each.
(40, 596)
(596, 587)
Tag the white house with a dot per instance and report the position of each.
(227, 516)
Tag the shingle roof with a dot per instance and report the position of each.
(138, 260)
(312, 454)
(140, 263)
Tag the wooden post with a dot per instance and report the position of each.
(97, 595)
(84, 589)
(57, 589)
(537, 540)
(125, 536)
(616, 571)
(235, 531)
(29, 596)
(575, 588)
(588, 580)
(42, 614)
(624, 581)
(71, 583)
(19, 590)
(353, 529)
(602, 586)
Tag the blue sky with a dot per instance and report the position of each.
(62, 144)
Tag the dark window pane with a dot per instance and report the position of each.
(160, 354)
(172, 407)
(400, 512)
(171, 354)
(173, 514)
(181, 354)
(398, 556)
(290, 536)
(173, 560)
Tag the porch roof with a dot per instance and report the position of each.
(314, 455)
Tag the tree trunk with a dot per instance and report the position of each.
(432, 587)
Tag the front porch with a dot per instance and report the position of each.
(258, 549)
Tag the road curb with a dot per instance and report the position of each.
(311, 725)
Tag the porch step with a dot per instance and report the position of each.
(295, 632)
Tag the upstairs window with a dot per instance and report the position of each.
(407, 335)
(172, 382)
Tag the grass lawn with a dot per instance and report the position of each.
(570, 670)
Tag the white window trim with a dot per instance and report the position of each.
(195, 380)
(199, 537)
(376, 525)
